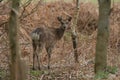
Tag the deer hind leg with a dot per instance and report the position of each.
(34, 53)
(38, 58)
(49, 51)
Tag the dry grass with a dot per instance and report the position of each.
(63, 66)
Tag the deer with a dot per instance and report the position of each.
(47, 37)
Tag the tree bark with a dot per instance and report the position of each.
(102, 35)
(74, 33)
(16, 65)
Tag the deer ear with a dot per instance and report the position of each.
(59, 18)
(70, 18)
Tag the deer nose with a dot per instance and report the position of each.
(64, 27)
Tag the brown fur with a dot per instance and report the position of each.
(46, 36)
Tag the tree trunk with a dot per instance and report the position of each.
(102, 35)
(16, 66)
(74, 33)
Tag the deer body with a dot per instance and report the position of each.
(47, 37)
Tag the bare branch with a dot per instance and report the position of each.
(32, 11)
(24, 7)
(3, 23)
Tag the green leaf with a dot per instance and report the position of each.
(36, 73)
(101, 75)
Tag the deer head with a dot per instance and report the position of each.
(64, 22)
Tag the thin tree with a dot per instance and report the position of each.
(16, 65)
(74, 33)
(102, 35)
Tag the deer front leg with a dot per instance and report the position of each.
(49, 51)
(38, 60)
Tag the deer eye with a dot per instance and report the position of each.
(62, 22)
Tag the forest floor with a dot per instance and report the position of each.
(63, 66)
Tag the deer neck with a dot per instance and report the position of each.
(59, 33)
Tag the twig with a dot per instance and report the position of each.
(32, 11)
(24, 7)
(42, 77)
(2, 34)
(3, 23)
(27, 3)
(25, 43)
